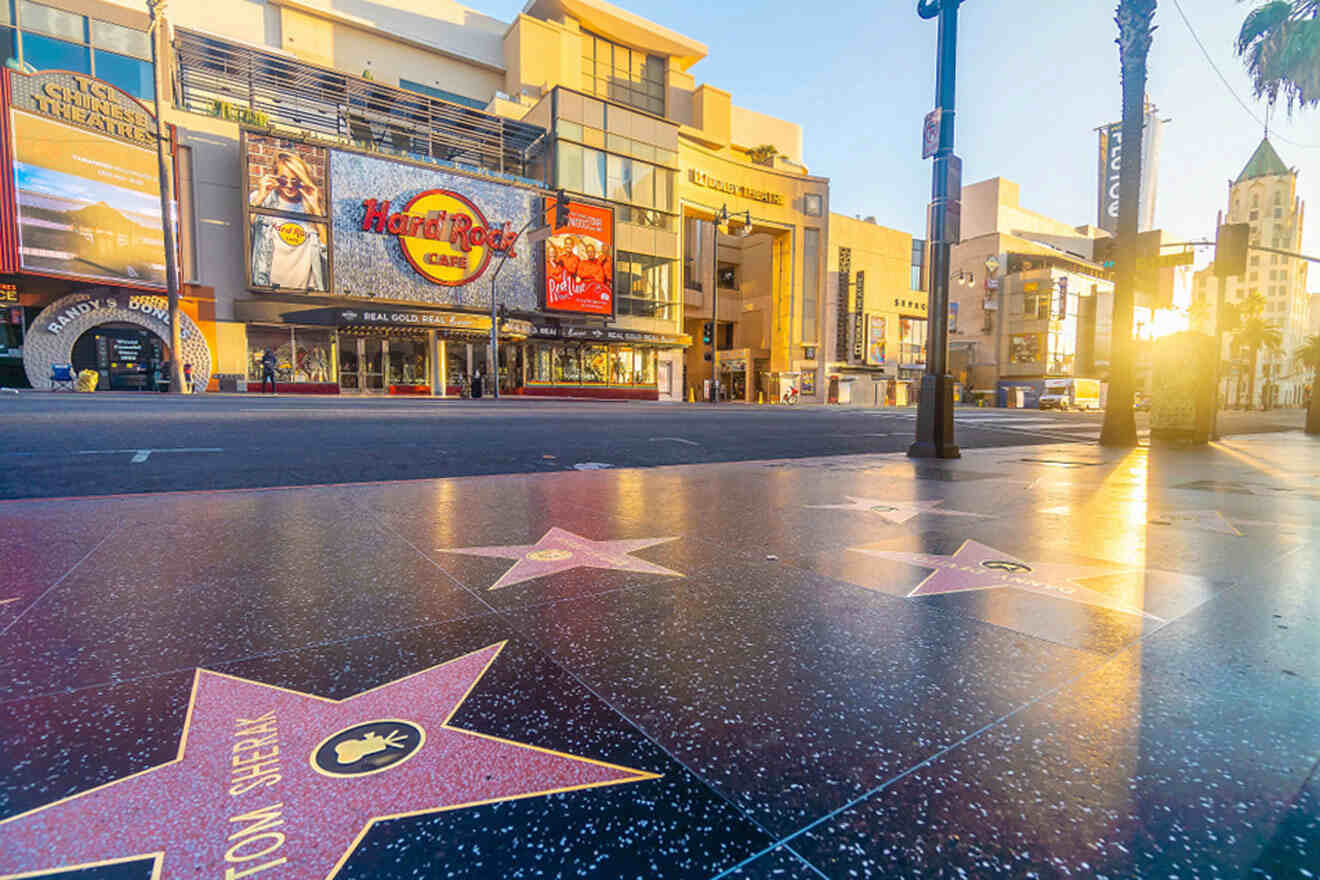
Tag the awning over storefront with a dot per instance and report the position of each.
(369, 318)
(609, 334)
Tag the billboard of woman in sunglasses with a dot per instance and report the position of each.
(287, 179)
(286, 176)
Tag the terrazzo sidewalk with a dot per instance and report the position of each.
(1048, 661)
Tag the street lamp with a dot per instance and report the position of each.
(935, 405)
(156, 8)
(721, 218)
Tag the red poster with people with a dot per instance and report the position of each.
(579, 261)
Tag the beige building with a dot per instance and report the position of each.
(1265, 196)
(1031, 301)
(876, 325)
(573, 94)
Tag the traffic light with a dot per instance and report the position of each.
(707, 333)
(561, 209)
(1231, 249)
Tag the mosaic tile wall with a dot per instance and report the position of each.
(367, 263)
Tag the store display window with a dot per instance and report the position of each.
(301, 355)
(595, 364)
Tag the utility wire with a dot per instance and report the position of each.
(1228, 86)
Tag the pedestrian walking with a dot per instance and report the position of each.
(476, 384)
(268, 362)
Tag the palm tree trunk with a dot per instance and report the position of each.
(1134, 29)
(1313, 408)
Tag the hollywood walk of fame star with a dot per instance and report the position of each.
(974, 566)
(560, 550)
(897, 512)
(1205, 520)
(271, 778)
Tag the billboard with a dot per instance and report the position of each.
(1111, 164)
(412, 233)
(323, 220)
(85, 182)
(579, 261)
(875, 340)
(288, 249)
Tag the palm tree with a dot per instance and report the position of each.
(1309, 355)
(1280, 45)
(1253, 334)
(1135, 27)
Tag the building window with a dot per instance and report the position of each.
(813, 204)
(911, 340)
(612, 71)
(129, 74)
(8, 46)
(56, 22)
(47, 53)
(644, 286)
(120, 39)
(810, 283)
(918, 264)
(694, 246)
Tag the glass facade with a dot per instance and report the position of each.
(621, 74)
(911, 340)
(53, 39)
(644, 285)
(572, 364)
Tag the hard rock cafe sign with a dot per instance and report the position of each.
(443, 235)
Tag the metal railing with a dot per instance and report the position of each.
(218, 77)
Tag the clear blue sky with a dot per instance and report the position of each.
(1034, 80)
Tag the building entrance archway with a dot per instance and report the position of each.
(52, 336)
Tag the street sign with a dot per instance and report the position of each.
(992, 264)
(930, 133)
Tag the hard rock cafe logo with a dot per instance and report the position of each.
(444, 236)
(367, 748)
(292, 234)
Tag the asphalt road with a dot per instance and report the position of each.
(62, 445)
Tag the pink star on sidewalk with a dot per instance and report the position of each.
(268, 778)
(974, 566)
(560, 550)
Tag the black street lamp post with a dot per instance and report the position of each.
(935, 403)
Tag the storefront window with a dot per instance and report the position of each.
(595, 364)
(278, 340)
(621, 366)
(313, 361)
(568, 365)
(538, 365)
(455, 367)
(408, 362)
(645, 373)
(912, 340)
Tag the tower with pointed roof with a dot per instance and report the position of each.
(1264, 195)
